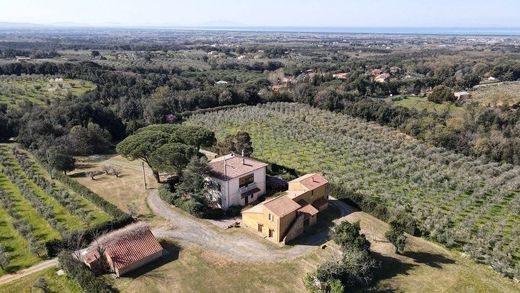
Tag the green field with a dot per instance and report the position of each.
(460, 201)
(36, 209)
(422, 104)
(40, 90)
(55, 283)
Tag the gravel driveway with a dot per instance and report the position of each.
(238, 246)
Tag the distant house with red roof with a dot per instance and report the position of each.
(340, 75)
(382, 77)
(376, 72)
(123, 250)
(287, 216)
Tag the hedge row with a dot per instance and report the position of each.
(81, 238)
(85, 278)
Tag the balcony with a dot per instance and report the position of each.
(248, 189)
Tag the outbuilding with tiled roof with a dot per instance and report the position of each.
(124, 250)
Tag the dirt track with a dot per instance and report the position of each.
(239, 246)
(31, 270)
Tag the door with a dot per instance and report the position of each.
(271, 232)
(260, 228)
(246, 199)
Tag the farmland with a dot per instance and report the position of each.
(422, 104)
(36, 209)
(496, 95)
(39, 90)
(462, 202)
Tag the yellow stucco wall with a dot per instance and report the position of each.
(281, 226)
(313, 195)
(277, 224)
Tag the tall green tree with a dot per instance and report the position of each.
(238, 143)
(145, 143)
(142, 145)
(196, 136)
(194, 176)
(172, 157)
(347, 235)
(401, 223)
(60, 160)
(441, 94)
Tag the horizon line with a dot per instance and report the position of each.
(396, 30)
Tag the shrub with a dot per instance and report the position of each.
(86, 279)
(234, 211)
(441, 94)
(397, 238)
(347, 236)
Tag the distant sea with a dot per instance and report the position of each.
(377, 30)
(472, 31)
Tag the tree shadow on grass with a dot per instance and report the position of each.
(171, 254)
(81, 166)
(429, 259)
(390, 267)
(77, 174)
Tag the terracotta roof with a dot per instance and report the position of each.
(311, 181)
(126, 246)
(309, 209)
(133, 249)
(282, 206)
(232, 166)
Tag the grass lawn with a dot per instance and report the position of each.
(126, 190)
(40, 90)
(426, 266)
(55, 283)
(196, 270)
(422, 103)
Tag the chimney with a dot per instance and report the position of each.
(243, 159)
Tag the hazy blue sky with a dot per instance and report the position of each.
(362, 13)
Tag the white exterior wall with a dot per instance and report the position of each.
(231, 194)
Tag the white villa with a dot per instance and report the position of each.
(239, 180)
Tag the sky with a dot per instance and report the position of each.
(266, 13)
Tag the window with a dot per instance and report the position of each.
(246, 180)
(270, 217)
